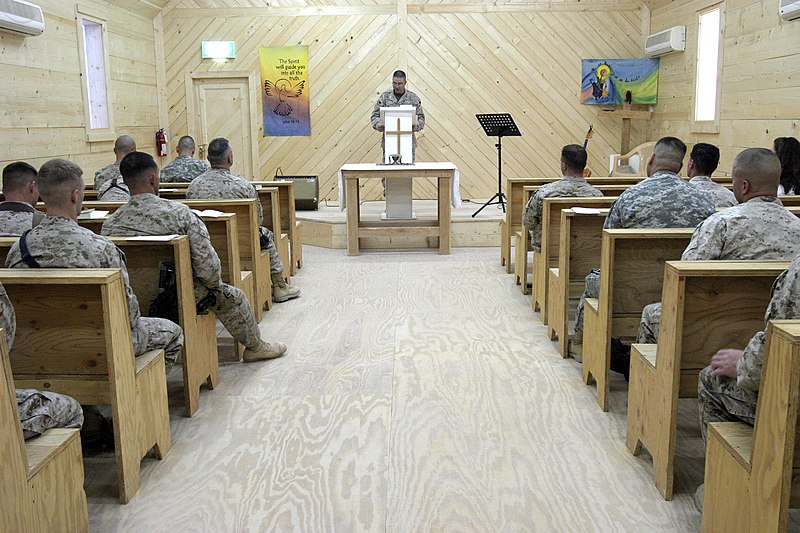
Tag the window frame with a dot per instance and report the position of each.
(708, 126)
(83, 13)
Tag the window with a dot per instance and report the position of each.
(709, 61)
(95, 77)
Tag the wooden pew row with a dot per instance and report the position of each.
(580, 238)
(251, 257)
(522, 242)
(200, 360)
(517, 200)
(289, 223)
(706, 306)
(751, 476)
(631, 276)
(551, 245)
(42, 481)
(74, 337)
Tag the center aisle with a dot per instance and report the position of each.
(419, 393)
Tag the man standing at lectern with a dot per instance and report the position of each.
(394, 98)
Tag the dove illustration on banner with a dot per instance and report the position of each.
(283, 89)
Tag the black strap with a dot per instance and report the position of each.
(26, 255)
(16, 207)
(115, 185)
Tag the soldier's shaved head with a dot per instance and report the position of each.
(760, 168)
(57, 179)
(218, 151)
(668, 154)
(123, 146)
(17, 176)
(186, 145)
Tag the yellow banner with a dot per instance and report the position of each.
(284, 90)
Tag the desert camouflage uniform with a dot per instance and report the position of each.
(147, 214)
(38, 410)
(726, 400)
(183, 169)
(759, 229)
(18, 217)
(568, 186)
(59, 242)
(388, 99)
(106, 174)
(664, 200)
(721, 196)
(221, 184)
(114, 191)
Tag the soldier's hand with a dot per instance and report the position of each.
(415, 128)
(381, 128)
(723, 363)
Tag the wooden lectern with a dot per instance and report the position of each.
(398, 140)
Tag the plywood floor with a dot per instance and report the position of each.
(420, 394)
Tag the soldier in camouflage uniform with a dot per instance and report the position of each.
(703, 162)
(17, 212)
(396, 97)
(758, 228)
(219, 183)
(147, 214)
(573, 161)
(663, 200)
(59, 242)
(185, 167)
(108, 189)
(38, 410)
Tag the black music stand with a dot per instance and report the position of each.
(498, 125)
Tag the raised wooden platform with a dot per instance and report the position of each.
(327, 227)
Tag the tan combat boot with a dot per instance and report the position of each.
(265, 350)
(282, 291)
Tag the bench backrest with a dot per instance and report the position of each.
(632, 272)
(551, 221)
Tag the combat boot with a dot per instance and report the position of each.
(265, 350)
(282, 291)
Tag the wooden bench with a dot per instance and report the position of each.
(74, 337)
(752, 475)
(225, 240)
(580, 239)
(631, 275)
(252, 257)
(269, 198)
(517, 198)
(551, 243)
(706, 306)
(289, 223)
(42, 481)
(200, 358)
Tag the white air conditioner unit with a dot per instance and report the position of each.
(789, 9)
(664, 42)
(21, 17)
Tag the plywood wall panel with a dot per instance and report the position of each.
(41, 102)
(463, 60)
(760, 72)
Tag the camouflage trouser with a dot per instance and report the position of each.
(648, 326)
(40, 411)
(268, 243)
(156, 334)
(592, 290)
(233, 310)
(721, 400)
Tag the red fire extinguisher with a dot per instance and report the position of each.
(161, 143)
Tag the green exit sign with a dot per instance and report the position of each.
(218, 49)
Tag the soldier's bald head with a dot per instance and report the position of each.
(760, 167)
(57, 179)
(124, 145)
(668, 154)
(136, 168)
